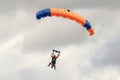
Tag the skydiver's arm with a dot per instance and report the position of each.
(58, 55)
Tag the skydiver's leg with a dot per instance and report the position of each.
(49, 64)
(54, 66)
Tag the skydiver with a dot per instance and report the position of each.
(53, 61)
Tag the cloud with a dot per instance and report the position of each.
(108, 54)
(13, 24)
(107, 51)
(53, 32)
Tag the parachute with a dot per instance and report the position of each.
(56, 51)
(65, 13)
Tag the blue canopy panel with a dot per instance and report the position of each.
(87, 25)
(43, 13)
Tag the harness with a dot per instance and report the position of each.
(53, 60)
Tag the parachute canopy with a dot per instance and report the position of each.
(56, 51)
(65, 13)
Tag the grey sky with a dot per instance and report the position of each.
(12, 5)
(110, 54)
(26, 43)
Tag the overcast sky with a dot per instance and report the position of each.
(26, 43)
